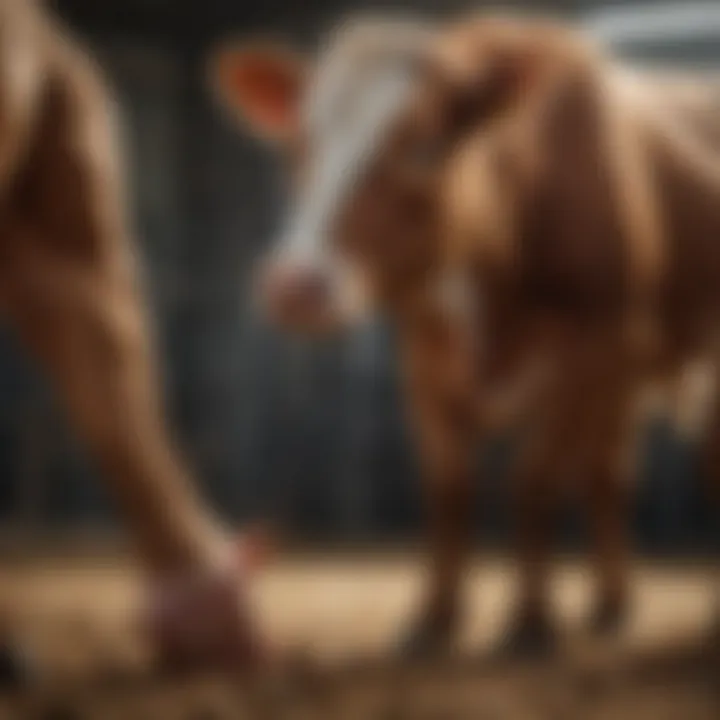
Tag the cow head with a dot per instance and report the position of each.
(371, 130)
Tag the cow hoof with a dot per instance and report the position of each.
(427, 638)
(608, 618)
(531, 637)
(421, 644)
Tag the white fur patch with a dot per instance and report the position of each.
(348, 113)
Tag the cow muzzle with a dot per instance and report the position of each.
(300, 297)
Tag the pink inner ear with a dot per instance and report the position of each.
(264, 87)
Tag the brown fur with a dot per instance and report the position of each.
(614, 266)
(582, 204)
(613, 274)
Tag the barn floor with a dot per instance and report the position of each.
(344, 612)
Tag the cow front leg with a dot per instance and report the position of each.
(442, 401)
(609, 514)
(531, 631)
(449, 500)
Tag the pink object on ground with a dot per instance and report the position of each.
(207, 619)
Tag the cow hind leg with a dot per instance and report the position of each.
(587, 434)
(539, 477)
(608, 465)
(433, 631)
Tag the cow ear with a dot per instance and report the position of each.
(263, 84)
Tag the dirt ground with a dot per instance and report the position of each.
(74, 616)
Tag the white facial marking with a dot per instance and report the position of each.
(349, 111)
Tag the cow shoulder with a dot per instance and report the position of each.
(593, 230)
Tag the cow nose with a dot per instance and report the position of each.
(310, 286)
(296, 294)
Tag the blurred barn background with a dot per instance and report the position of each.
(313, 434)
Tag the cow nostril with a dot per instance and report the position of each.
(306, 287)
(313, 287)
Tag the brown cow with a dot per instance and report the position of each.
(68, 287)
(538, 222)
